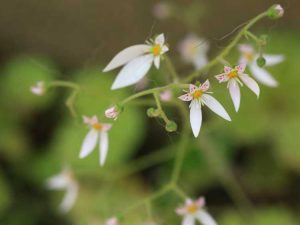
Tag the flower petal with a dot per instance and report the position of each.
(186, 97)
(263, 76)
(127, 55)
(69, 198)
(215, 106)
(200, 60)
(89, 143)
(250, 83)
(272, 60)
(103, 147)
(188, 220)
(156, 62)
(205, 218)
(195, 117)
(192, 88)
(57, 182)
(133, 72)
(160, 39)
(205, 86)
(227, 69)
(235, 93)
(222, 77)
(241, 68)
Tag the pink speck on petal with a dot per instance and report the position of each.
(227, 69)
(193, 88)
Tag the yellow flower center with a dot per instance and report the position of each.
(156, 49)
(97, 126)
(249, 56)
(197, 94)
(232, 74)
(193, 208)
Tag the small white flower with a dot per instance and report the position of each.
(162, 10)
(194, 50)
(38, 89)
(97, 133)
(279, 9)
(112, 113)
(112, 221)
(65, 181)
(198, 97)
(249, 56)
(193, 211)
(166, 95)
(234, 76)
(137, 60)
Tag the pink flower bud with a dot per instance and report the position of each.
(112, 113)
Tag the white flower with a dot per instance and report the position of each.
(193, 210)
(137, 60)
(97, 133)
(198, 97)
(65, 181)
(234, 77)
(249, 56)
(112, 221)
(161, 10)
(166, 95)
(112, 113)
(38, 89)
(279, 10)
(194, 50)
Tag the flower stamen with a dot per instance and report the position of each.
(156, 50)
(197, 94)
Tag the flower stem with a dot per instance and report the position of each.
(171, 69)
(162, 113)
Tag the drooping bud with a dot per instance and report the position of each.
(275, 11)
(38, 89)
(171, 126)
(113, 112)
(261, 61)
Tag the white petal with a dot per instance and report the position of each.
(157, 61)
(103, 147)
(188, 220)
(215, 106)
(205, 218)
(89, 143)
(160, 39)
(250, 83)
(126, 55)
(186, 97)
(200, 60)
(273, 59)
(263, 76)
(57, 182)
(235, 93)
(69, 198)
(195, 117)
(133, 72)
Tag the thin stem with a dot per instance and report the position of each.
(251, 35)
(171, 69)
(226, 51)
(180, 192)
(162, 113)
(61, 83)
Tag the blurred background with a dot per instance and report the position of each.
(73, 40)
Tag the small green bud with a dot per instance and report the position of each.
(171, 126)
(261, 61)
(275, 11)
(198, 83)
(151, 112)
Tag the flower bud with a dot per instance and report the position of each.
(275, 11)
(113, 112)
(165, 95)
(261, 61)
(171, 126)
(151, 112)
(38, 89)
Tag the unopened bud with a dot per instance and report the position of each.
(261, 61)
(38, 89)
(275, 11)
(171, 126)
(113, 112)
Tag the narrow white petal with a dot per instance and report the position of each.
(126, 55)
(157, 61)
(133, 72)
(235, 93)
(200, 60)
(205, 219)
(250, 83)
(69, 198)
(188, 220)
(160, 39)
(273, 59)
(89, 143)
(263, 76)
(103, 147)
(57, 182)
(195, 117)
(215, 106)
